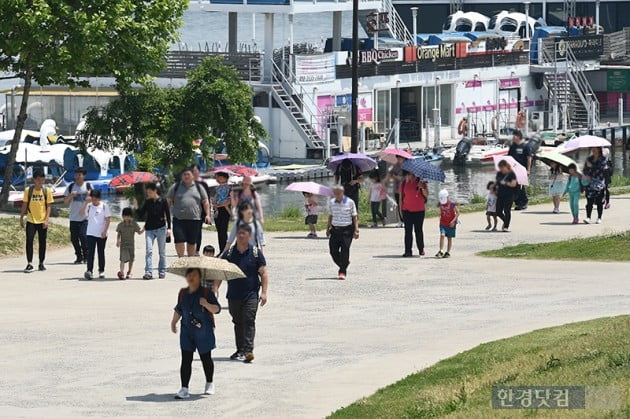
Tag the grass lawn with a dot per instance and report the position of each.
(13, 237)
(591, 353)
(609, 247)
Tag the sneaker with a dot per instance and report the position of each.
(422, 252)
(78, 261)
(587, 221)
(121, 275)
(488, 227)
(373, 225)
(342, 276)
(495, 229)
(87, 275)
(505, 230)
(446, 255)
(182, 394)
(209, 389)
(101, 275)
(162, 276)
(29, 268)
(237, 356)
(41, 267)
(439, 254)
(128, 275)
(599, 221)
(400, 224)
(147, 276)
(250, 356)
(576, 220)
(556, 211)
(407, 255)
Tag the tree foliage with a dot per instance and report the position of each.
(161, 125)
(61, 41)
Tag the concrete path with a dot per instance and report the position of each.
(73, 348)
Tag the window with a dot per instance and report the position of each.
(444, 103)
(383, 111)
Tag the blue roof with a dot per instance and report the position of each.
(546, 31)
(474, 36)
(448, 37)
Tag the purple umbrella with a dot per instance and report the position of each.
(310, 187)
(361, 161)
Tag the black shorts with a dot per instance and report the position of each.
(491, 214)
(186, 231)
(311, 219)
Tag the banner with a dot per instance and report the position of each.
(586, 47)
(315, 68)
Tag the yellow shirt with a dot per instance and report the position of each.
(36, 210)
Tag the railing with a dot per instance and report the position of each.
(396, 25)
(583, 88)
(617, 45)
(179, 63)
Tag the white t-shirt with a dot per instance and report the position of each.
(96, 216)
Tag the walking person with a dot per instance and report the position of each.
(245, 294)
(608, 176)
(413, 198)
(195, 307)
(247, 193)
(75, 195)
(311, 207)
(343, 227)
(222, 203)
(349, 176)
(396, 173)
(507, 187)
(491, 206)
(188, 199)
(196, 171)
(98, 216)
(125, 241)
(246, 215)
(449, 214)
(574, 189)
(376, 194)
(556, 188)
(36, 204)
(522, 154)
(157, 227)
(595, 170)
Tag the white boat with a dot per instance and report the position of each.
(16, 198)
(478, 154)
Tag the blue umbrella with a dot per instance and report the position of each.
(423, 170)
(361, 161)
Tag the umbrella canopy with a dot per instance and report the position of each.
(237, 170)
(361, 161)
(584, 141)
(131, 178)
(423, 170)
(390, 154)
(555, 157)
(310, 187)
(211, 268)
(519, 170)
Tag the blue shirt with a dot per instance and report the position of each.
(192, 337)
(248, 287)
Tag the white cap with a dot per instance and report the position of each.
(443, 196)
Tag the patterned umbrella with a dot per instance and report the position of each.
(361, 161)
(131, 178)
(211, 268)
(237, 170)
(423, 170)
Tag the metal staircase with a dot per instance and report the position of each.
(569, 90)
(298, 105)
(394, 28)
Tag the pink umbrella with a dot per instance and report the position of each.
(310, 187)
(390, 154)
(584, 141)
(519, 170)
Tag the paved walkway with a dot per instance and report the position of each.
(73, 348)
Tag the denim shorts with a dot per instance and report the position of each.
(447, 231)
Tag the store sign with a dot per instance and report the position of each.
(509, 83)
(618, 80)
(438, 52)
(472, 84)
(587, 47)
(376, 56)
(315, 68)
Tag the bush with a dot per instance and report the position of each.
(291, 212)
(619, 180)
(477, 199)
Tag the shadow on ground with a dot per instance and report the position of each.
(161, 398)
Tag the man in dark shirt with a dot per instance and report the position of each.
(157, 216)
(522, 154)
(243, 294)
(349, 176)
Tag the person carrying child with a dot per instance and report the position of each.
(311, 206)
(574, 188)
(491, 206)
(126, 243)
(376, 196)
(449, 214)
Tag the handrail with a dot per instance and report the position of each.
(397, 26)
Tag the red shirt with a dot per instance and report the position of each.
(412, 197)
(447, 213)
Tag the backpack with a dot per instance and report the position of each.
(30, 196)
(88, 186)
(206, 293)
(255, 252)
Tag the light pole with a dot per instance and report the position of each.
(414, 14)
(526, 19)
(597, 17)
(354, 114)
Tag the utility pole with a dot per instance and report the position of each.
(354, 115)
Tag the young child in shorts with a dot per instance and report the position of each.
(448, 223)
(491, 206)
(312, 208)
(126, 231)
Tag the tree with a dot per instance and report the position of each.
(61, 42)
(160, 125)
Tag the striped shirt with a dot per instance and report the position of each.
(342, 212)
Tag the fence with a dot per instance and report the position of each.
(180, 63)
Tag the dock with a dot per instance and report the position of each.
(297, 173)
